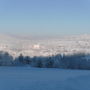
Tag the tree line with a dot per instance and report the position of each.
(74, 61)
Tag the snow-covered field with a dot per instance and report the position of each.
(27, 78)
(30, 46)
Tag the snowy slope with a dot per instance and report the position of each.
(26, 78)
(44, 46)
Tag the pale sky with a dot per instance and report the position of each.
(45, 17)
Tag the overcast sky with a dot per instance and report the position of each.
(45, 17)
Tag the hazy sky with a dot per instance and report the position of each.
(45, 17)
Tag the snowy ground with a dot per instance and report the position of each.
(45, 46)
(26, 78)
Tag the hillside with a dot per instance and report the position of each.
(44, 46)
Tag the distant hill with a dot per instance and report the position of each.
(16, 44)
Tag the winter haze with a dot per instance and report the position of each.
(44, 44)
(41, 46)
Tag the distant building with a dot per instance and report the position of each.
(36, 46)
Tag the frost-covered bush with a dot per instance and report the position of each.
(5, 59)
(74, 61)
(22, 60)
